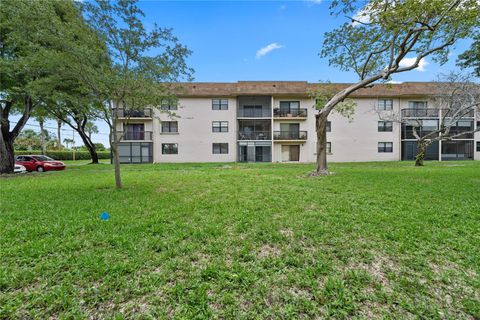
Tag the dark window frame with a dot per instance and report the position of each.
(478, 146)
(220, 128)
(168, 105)
(169, 126)
(329, 147)
(219, 104)
(222, 147)
(169, 149)
(383, 127)
(383, 105)
(383, 148)
(329, 126)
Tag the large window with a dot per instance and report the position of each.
(169, 148)
(385, 104)
(219, 104)
(220, 148)
(385, 147)
(219, 126)
(417, 104)
(168, 104)
(135, 152)
(329, 126)
(384, 126)
(169, 126)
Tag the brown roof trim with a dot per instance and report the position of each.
(300, 89)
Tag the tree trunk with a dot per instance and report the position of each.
(42, 137)
(421, 152)
(7, 156)
(321, 127)
(116, 157)
(89, 145)
(59, 134)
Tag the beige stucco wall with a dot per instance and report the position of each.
(195, 136)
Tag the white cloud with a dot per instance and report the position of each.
(283, 7)
(263, 51)
(394, 82)
(315, 1)
(409, 61)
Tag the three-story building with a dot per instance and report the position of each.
(274, 121)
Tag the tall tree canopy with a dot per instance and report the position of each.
(34, 39)
(384, 37)
(138, 66)
(471, 57)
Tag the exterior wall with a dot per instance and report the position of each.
(358, 140)
(195, 136)
(351, 141)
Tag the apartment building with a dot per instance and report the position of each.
(274, 121)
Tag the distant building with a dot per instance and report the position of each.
(274, 121)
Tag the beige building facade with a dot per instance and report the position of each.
(275, 122)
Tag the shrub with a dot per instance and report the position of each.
(66, 155)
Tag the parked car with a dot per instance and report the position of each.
(19, 169)
(39, 163)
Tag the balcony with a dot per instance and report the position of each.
(292, 113)
(420, 113)
(255, 135)
(122, 113)
(463, 114)
(135, 135)
(289, 135)
(254, 113)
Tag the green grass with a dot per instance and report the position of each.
(198, 241)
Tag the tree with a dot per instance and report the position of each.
(34, 35)
(69, 142)
(381, 34)
(91, 128)
(59, 134)
(137, 68)
(471, 57)
(457, 99)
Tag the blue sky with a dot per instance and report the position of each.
(227, 38)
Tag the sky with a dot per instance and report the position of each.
(257, 40)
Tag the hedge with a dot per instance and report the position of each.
(66, 155)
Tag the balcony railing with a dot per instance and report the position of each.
(416, 113)
(136, 135)
(290, 135)
(293, 113)
(452, 112)
(255, 135)
(145, 113)
(254, 113)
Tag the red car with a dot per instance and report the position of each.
(39, 163)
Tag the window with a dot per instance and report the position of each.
(385, 147)
(478, 146)
(329, 147)
(384, 126)
(169, 148)
(168, 104)
(385, 104)
(329, 126)
(220, 126)
(169, 126)
(220, 148)
(219, 104)
(417, 104)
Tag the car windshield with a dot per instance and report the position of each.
(43, 158)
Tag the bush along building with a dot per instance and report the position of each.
(274, 121)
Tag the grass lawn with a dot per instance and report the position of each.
(244, 241)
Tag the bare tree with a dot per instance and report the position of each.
(457, 99)
(380, 35)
